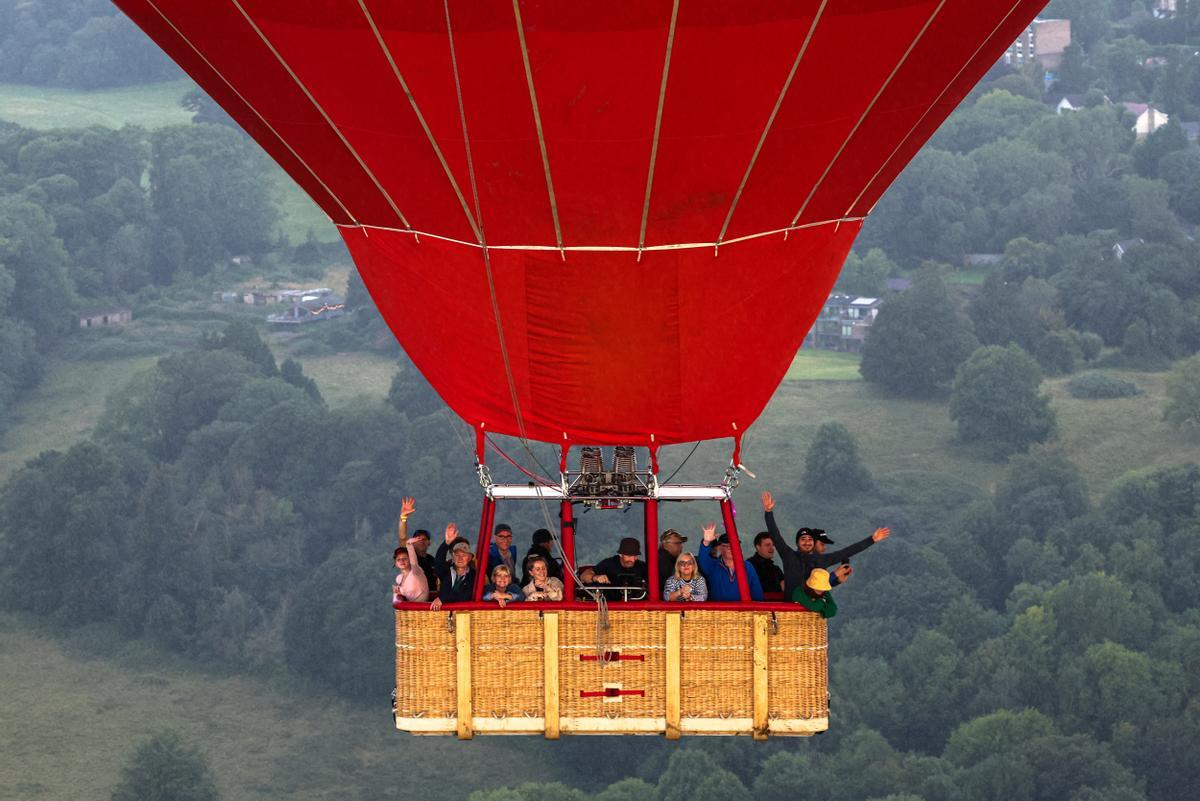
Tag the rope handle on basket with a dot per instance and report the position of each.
(450, 627)
(612, 656)
(609, 692)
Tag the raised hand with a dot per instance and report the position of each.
(451, 533)
(843, 572)
(881, 534)
(710, 532)
(768, 502)
(407, 507)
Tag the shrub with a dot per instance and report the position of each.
(1097, 386)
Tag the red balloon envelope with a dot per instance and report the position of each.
(604, 222)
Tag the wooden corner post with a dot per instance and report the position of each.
(762, 644)
(674, 648)
(550, 677)
(462, 653)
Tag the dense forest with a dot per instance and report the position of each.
(1036, 639)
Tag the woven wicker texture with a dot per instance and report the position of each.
(630, 634)
(506, 663)
(798, 678)
(425, 677)
(716, 665)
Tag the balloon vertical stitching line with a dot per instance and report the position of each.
(931, 107)
(253, 110)
(867, 111)
(487, 259)
(737, 196)
(537, 121)
(412, 100)
(662, 97)
(328, 120)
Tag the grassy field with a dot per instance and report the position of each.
(823, 365)
(63, 408)
(150, 105)
(300, 213)
(71, 717)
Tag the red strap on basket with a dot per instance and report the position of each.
(609, 692)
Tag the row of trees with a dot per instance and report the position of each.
(80, 225)
(81, 44)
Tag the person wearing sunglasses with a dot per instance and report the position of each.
(686, 584)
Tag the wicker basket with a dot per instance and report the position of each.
(531, 670)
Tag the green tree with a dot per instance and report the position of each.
(165, 768)
(996, 402)
(865, 275)
(243, 338)
(1148, 154)
(918, 340)
(1057, 353)
(1181, 170)
(1182, 407)
(832, 466)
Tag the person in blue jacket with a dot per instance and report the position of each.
(719, 569)
(503, 552)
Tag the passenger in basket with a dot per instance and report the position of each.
(798, 564)
(420, 543)
(542, 586)
(624, 569)
(815, 595)
(456, 578)
(539, 548)
(503, 552)
(502, 590)
(687, 584)
(820, 542)
(719, 569)
(670, 545)
(763, 562)
(410, 584)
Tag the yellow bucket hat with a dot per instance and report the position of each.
(818, 580)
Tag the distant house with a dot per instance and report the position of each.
(843, 323)
(112, 315)
(1125, 245)
(1148, 119)
(1044, 41)
(310, 310)
(227, 296)
(1070, 103)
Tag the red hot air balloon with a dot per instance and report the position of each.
(593, 222)
(608, 223)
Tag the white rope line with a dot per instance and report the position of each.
(437, 151)
(912, 45)
(771, 121)
(933, 105)
(328, 120)
(537, 121)
(662, 96)
(248, 105)
(608, 248)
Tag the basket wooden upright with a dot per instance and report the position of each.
(529, 669)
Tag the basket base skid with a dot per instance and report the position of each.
(694, 726)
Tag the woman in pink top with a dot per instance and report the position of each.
(411, 584)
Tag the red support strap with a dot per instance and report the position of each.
(480, 445)
(735, 547)
(650, 512)
(562, 459)
(654, 458)
(488, 518)
(736, 459)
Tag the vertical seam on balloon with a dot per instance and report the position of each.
(932, 105)
(328, 120)
(662, 96)
(412, 100)
(537, 121)
(253, 110)
(771, 121)
(887, 81)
